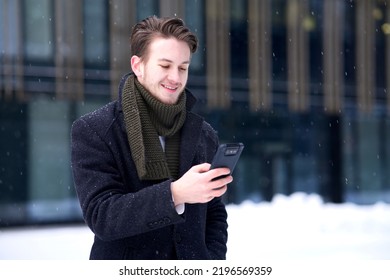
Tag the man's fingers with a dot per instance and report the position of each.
(218, 192)
(200, 168)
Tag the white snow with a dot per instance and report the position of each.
(297, 227)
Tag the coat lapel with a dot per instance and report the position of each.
(191, 132)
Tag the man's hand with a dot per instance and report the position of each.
(197, 184)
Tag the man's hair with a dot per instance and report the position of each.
(146, 30)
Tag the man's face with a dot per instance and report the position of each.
(164, 73)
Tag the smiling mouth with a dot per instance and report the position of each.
(170, 87)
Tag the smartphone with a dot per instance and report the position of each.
(227, 155)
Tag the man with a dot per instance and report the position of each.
(140, 163)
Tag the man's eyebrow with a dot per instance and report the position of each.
(170, 61)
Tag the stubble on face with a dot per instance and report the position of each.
(165, 71)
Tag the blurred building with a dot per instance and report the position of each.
(303, 83)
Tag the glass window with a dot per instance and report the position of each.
(96, 40)
(312, 23)
(279, 48)
(38, 28)
(9, 43)
(51, 196)
(2, 26)
(146, 8)
(239, 38)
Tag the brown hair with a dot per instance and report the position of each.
(146, 30)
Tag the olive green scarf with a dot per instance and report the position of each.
(147, 118)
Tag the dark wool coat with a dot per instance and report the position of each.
(134, 219)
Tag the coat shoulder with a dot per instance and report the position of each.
(206, 129)
(210, 133)
(99, 120)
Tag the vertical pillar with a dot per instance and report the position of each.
(387, 55)
(69, 58)
(172, 8)
(365, 57)
(218, 54)
(123, 16)
(333, 58)
(260, 64)
(297, 56)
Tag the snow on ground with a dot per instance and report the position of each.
(298, 227)
(303, 227)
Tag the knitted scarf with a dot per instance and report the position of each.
(147, 118)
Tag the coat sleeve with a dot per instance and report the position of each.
(110, 211)
(216, 229)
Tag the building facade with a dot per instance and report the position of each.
(303, 83)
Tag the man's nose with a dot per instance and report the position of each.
(174, 76)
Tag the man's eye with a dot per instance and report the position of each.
(183, 69)
(164, 66)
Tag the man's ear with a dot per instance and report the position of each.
(136, 65)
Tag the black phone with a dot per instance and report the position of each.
(227, 155)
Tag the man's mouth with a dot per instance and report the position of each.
(170, 87)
